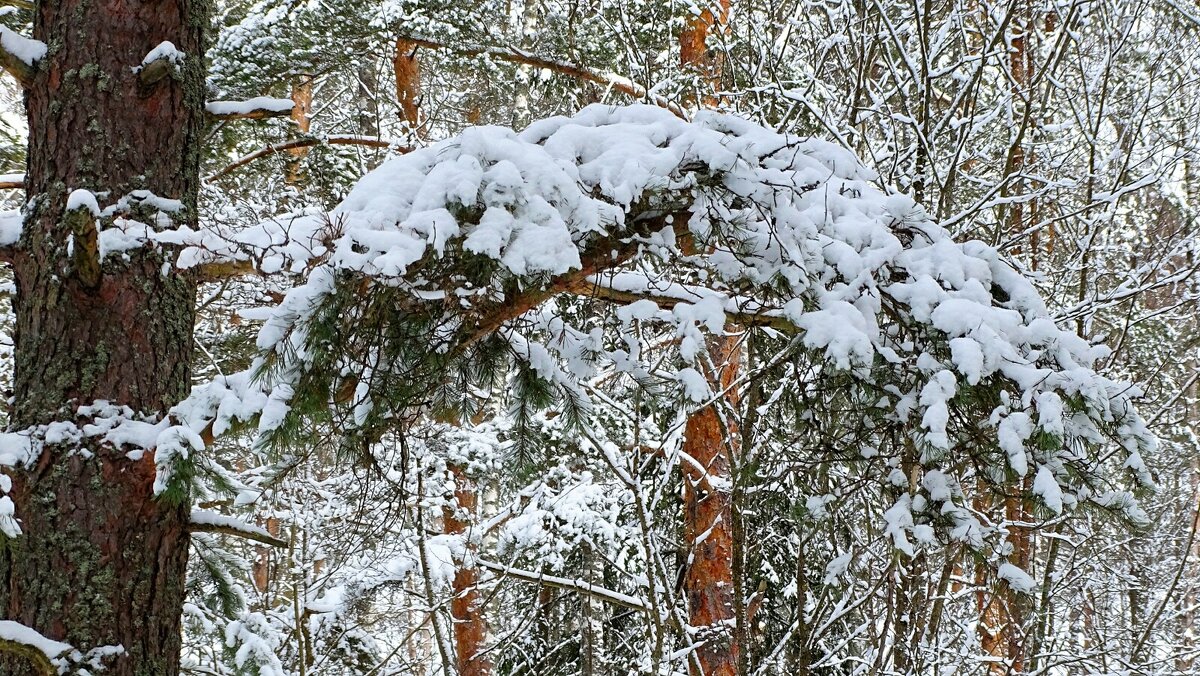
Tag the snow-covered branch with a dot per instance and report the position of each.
(578, 586)
(44, 653)
(19, 55)
(210, 522)
(257, 108)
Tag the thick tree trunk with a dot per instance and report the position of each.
(708, 525)
(101, 561)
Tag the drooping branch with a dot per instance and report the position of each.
(613, 291)
(341, 140)
(513, 55)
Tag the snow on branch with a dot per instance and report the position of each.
(19, 55)
(203, 521)
(159, 63)
(691, 226)
(257, 108)
(581, 587)
(45, 654)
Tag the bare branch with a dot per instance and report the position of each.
(578, 586)
(221, 529)
(305, 143)
(514, 55)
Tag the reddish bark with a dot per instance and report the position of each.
(708, 525)
(694, 52)
(302, 98)
(101, 561)
(408, 83)
(467, 606)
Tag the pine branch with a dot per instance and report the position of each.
(595, 287)
(604, 253)
(208, 522)
(230, 530)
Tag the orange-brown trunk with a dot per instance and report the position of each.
(467, 606)
(302, 98)
(708, 526)
(408, 84)
(693, 48)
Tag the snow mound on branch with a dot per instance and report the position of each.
(861, 278)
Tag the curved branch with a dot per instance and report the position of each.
(579, 72)
(305, 143)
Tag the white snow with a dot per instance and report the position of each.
(206, 517)
(29, 51)
(19, 633)
(1046, 487)
(1017, 579)
(83, 199)
(249, 106)
(165, 50)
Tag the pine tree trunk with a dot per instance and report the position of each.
(708, 525)
(101, 561)
(302, 99)
(407, 70)
(466, 608)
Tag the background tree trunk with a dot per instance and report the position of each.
(708, 523)
(101, 561)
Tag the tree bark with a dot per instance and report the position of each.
(467, 606)
(302, 98)
(407, 70)
(708, 525)
(101, 560)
